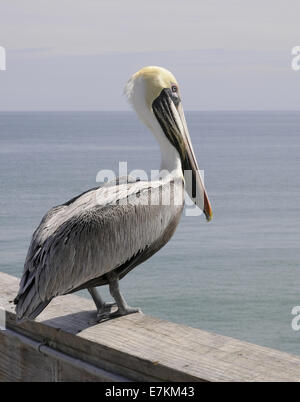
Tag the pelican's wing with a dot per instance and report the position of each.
(88, 237)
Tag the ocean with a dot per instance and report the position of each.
(238, 275)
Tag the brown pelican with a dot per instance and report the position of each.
(99, 236)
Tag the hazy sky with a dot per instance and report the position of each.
(78, 54)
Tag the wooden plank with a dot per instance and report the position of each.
(21, 362)
(136, 347)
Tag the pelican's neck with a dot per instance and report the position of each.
(170, 159)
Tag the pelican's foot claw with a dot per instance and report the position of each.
(118, 313)
(128, 310)
(105, 310)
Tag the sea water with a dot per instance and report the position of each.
(238, 275)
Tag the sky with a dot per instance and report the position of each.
(78, 55)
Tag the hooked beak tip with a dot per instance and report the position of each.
(207, 209)
(209, 216)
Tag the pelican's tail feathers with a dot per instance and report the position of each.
(29, 304)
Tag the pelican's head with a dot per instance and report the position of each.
(154, 94)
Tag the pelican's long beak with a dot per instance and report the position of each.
(169, 113)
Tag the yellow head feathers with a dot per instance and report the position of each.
(152, 80)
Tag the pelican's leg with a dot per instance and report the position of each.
(123, 308)
(102, 307)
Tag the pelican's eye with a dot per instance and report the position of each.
(174, 94)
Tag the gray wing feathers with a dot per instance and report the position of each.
(83, 240)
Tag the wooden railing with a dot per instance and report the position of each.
(65, 343)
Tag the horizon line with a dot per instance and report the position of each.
(132, 111)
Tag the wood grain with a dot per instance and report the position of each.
(136, 347)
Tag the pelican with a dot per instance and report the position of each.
(96, 238)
